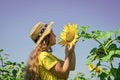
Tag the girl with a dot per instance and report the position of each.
(42, 64)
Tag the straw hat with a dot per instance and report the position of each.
(39, 31)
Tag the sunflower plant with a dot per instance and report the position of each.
(10, 70)
(107, 50)
(69, 36)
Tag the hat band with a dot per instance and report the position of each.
(41, 32)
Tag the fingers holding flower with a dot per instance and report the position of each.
(69, 49)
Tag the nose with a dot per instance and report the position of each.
(54, 34)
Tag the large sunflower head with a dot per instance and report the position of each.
(69, 35)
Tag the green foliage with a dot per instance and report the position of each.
(106, 51)
(10, 70)
(80, 76)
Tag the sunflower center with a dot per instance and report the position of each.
(70, 36)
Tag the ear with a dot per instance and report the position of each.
(44, 42)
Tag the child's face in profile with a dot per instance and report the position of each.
(52, 38)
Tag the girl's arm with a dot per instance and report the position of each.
(62, 68)
(72, 61)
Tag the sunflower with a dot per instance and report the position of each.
(98, 69)
(91, 67)
(69, 35)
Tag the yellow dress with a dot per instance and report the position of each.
(46, 62)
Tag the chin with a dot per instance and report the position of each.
(53, 44)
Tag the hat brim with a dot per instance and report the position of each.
(36, 30)
(46, 32)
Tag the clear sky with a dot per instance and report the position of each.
(17, 17)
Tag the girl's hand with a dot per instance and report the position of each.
(69, 49)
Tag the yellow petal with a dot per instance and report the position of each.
(69, 34)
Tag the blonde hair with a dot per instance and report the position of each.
(33, 68)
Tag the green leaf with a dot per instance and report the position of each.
(86, 36)
(14, 72)
(118, 39)
(109, 78)
(102, 35)
(22, 62)
(117, 78)
(109, 34)
(113, 47)
(14, 63)
(8, 63)
(117, 54)
(118, 31)
(102, 76)
(93, 51)
(116, 72)
(80, 76)
(1, 58)
(91, 59)
(1, 50)
(84, 28)
(93, 75)
(108, 57)
(97, 34)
